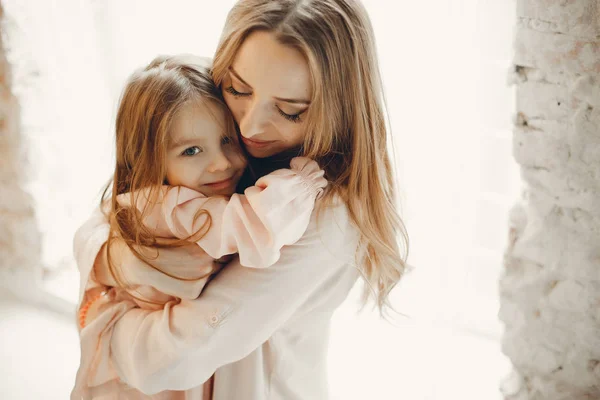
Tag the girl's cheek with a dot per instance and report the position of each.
(235, 155)
(242, 162)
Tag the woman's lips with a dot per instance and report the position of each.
(257, 143)
(224, 184)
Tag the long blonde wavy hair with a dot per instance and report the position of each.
(346, 123)
(149, 103)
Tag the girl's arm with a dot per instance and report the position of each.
(181, 346)
(87, 243)
(273, 213)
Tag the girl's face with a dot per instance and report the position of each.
(268, 90)
(200, 156)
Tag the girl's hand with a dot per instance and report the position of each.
(173, 260)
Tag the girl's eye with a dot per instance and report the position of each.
(290, 117)
(192, 151)
(226, 140)
(235, 93)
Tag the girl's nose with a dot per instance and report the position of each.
(219, 163)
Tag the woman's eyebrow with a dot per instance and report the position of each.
(291, 101)
(239, 77)
(294, 101)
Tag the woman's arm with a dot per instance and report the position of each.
(237, 312)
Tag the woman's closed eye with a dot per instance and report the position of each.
(235, 93)
(192, 151)
(290, 117)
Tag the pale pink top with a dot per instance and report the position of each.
(273, 213)
(262, 331)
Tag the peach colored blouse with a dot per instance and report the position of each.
(262, 332)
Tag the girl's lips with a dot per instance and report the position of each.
(220, 184)
(256, 143)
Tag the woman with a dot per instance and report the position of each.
(301, 78)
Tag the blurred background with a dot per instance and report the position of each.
(445, 65)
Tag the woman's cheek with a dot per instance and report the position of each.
(295, 136)
(235, 108)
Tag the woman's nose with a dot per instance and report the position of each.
(220, 162)
(254, 121)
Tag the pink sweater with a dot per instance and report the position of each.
(272, 214)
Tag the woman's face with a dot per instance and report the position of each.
(268, 89)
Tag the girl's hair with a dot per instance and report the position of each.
(346, 121)
(149, 103)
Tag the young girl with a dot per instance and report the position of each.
(178, 162)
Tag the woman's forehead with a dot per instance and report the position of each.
(273, 68)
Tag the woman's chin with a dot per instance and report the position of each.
(263, 152)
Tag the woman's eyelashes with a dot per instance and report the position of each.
(290, 117)
(230, 89)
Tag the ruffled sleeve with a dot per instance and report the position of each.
(272, 214)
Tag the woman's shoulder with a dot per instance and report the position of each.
(332, 210)
(332, 225)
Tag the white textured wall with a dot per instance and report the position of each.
(550, 291)
(19, 234)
